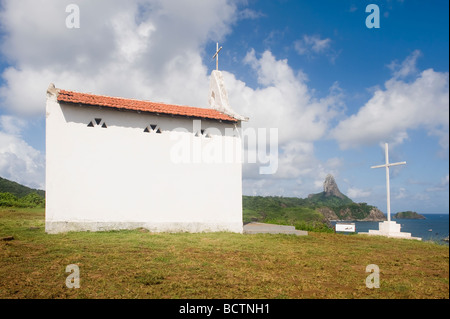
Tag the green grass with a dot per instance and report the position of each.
(140, 264)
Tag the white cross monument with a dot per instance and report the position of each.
(389, 228)
(387, 165)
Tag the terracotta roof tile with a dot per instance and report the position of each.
(143, 106)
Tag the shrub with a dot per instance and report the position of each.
(30, 201)
(8, 200)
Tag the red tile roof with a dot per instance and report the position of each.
(143, 106)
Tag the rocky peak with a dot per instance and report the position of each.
(330, 187)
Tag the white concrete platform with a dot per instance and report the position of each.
(390, 229)
(262, 228)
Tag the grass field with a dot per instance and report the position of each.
(139, 264)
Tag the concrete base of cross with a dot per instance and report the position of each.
(390, 229)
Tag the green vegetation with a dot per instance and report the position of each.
(13, 194)
(7, 186)
(31, 200)
(344, 208)
(302, 213)
(321, 200)
(283, 211)
(408, 215)
(139, 264)
(356, 210)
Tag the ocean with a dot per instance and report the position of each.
(435, 227)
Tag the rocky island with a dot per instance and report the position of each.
(408, 215)
(313, 213)
(334, 205)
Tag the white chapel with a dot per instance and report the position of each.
(117, 163)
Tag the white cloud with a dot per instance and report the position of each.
(19, 161)
(250, 14)
(282, 100)
(11, 125)
(355, 193)
(312, 44)
(141, 49)
(401, 106)
(407, 67)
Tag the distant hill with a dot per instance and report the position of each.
(322, 199)
(283, 211)
(7, 186)
(336, 206)
(313, 213)
(331, 193)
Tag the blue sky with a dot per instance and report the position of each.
(335, 89)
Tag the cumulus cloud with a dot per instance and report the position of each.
(284, 101)
(19, 161)
(141, 49)
(400, 106)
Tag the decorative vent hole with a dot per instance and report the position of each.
(97, 121)
(152, 128)
(203, 133)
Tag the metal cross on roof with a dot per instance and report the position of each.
(216, 55)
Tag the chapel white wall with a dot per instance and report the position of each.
(120, 177)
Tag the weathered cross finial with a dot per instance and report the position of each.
(216, 55)
(387, 165)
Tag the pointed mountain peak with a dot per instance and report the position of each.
(330, 187)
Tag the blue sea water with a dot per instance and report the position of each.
(435, 227)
